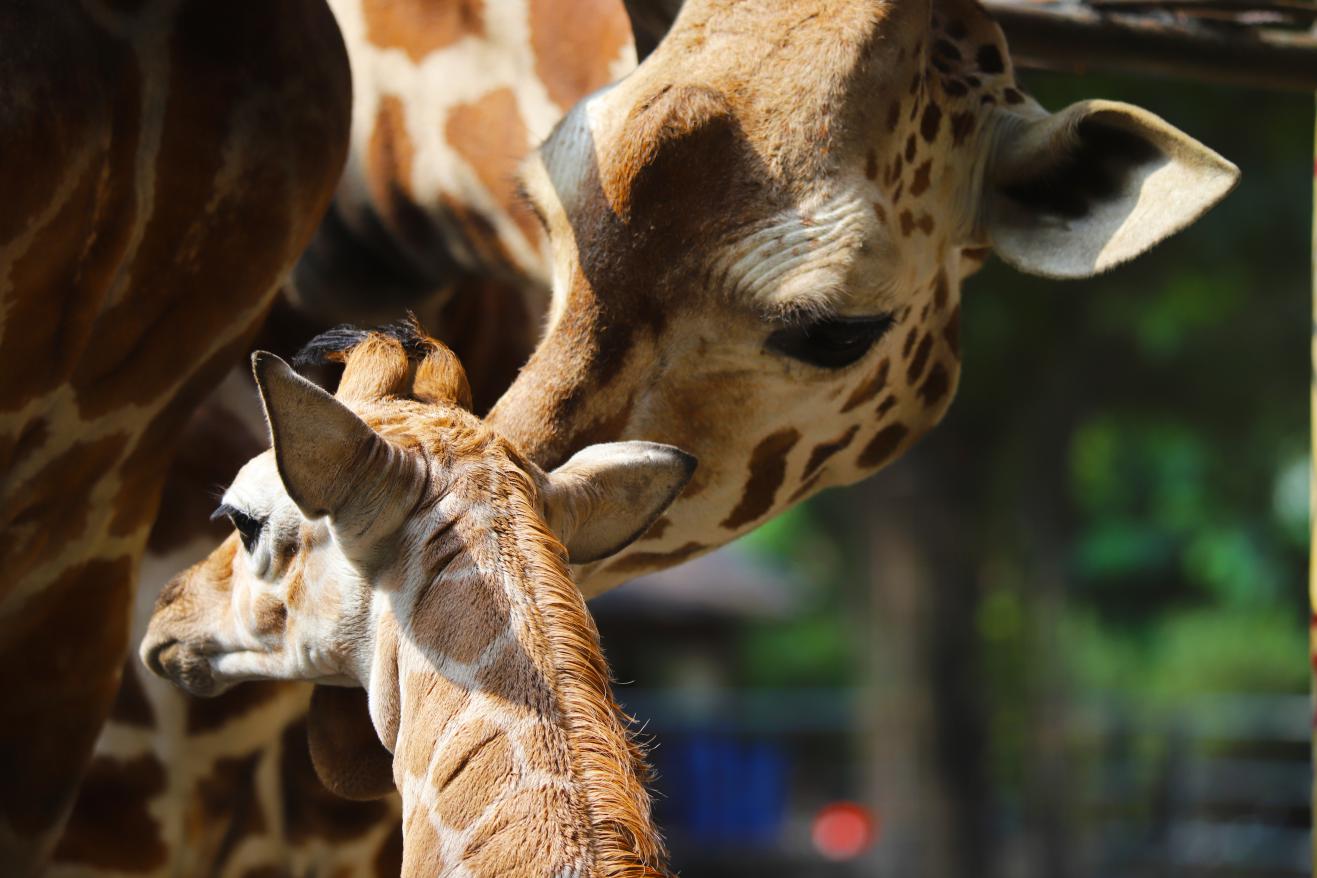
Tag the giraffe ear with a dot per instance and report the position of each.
(603, 498)
(330, 461)
(650, 21)
(1074, 193)
(345, 748)
(317, 440)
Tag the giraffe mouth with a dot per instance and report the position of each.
(186, 668)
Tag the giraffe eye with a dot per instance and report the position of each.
(248, 528)
(832, 343)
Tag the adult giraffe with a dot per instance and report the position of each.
(163, 165)
(757, 241)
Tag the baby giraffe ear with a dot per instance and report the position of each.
(603, 498)
(1074, 193)
(318, 442)
(345, 748)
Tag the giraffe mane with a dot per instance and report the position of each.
(610, 763)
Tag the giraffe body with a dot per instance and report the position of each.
(414, 557)
(164, 164)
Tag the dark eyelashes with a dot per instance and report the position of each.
(248, 528)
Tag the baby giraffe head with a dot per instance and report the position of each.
(392, 540)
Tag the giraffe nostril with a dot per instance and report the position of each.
(155, 657)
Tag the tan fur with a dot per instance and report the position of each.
(475, 582)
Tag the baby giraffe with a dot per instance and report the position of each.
(393, 541)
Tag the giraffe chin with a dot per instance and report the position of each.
(186, 668)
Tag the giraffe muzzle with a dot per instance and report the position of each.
(174, 661)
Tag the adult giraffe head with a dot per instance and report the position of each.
(759, 238)
(391, 540)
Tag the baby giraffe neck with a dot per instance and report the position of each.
(511, 756)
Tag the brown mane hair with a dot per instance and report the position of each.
(610, 764)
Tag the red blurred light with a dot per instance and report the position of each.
(844, 830)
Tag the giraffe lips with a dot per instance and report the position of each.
(183, 667)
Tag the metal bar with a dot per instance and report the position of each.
(1077, 39)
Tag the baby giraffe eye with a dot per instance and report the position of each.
(248, 528)
(833, 342)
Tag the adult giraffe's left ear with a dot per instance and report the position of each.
(603, 498)
(1074, 193)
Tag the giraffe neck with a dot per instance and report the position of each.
(509, 751)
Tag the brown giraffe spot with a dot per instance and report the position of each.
(920, 359)
(1013, 96)
(502, 844)
(962, 125)
(768, 467)
(490, 135)
(870, 388)
(928, 126)
(951, 332)
(575, 43)
(885, 406)
(954, 88)
(909, 344)
(514, 678)
(936, 386)
(311, 811)
(111, 827)
(893, 115)
(880, 213)
(635, 562)
(920, 184)
(910, 148)
(989, 59)
(803, 491)
(388, 861)
(480, 605)
(471, 772)
(212, 714)
(881, 448)
(825, 450)
(130, 706)
(925, 223)
(658, 528)
(59, 667)
(946, 49)
(894, 170)
(907, 223)
(896, 194)
(941, 292)
(871, 164)
(228, 797)
(389, 158)
(418, 27)
(432, 700)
